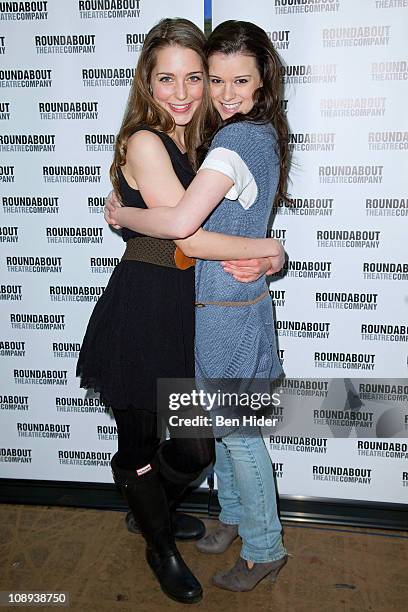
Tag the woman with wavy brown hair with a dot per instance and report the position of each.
(142, 328)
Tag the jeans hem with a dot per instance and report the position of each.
(264, 557)
(227, 520)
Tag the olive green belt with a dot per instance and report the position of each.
(232, 303)
(150, 250)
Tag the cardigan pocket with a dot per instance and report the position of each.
(236, 342)
(256, 356)
(244, 358)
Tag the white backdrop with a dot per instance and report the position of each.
(81, 58)
(65, 72)
(341, 309)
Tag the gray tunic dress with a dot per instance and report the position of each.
(238, 342)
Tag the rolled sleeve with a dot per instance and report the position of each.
(230, 164)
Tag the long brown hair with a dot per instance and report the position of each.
(247, 38)
(141, 107)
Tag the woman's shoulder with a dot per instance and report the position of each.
(241, 130)
(245, 137)
(146, 142)
(144, 134)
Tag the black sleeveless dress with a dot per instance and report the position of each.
(142, 327)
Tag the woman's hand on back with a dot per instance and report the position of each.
(250, 270)
(277, 261)
(112, 204)
(247, 270)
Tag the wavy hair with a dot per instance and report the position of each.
(249, 39)
(141, 107)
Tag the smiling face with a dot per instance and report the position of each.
(177, 82)
(233, 80)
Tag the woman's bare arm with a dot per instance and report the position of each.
(149, 169)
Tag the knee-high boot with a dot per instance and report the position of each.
(175, 484)
(185, 526)
(174, 481)
(145, 495)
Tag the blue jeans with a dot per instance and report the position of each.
(247, 495)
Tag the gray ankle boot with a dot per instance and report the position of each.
(219, 540)
(241, 578)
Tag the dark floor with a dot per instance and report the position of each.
(90, 554)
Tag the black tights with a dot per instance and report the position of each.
(138, 443)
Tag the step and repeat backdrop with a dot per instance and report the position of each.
(341, 301)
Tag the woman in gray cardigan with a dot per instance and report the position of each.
(244, 172)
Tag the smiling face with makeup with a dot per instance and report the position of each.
(177, 82)
(234, 78)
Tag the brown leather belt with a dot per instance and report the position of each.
(156, 251)
(246, 303)
(150, 250)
